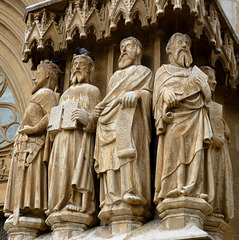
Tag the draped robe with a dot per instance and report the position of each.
(183, 140)
(27, 181)
(223, 202)
(123, 135)
(71, 170)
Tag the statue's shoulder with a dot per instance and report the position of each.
(162, 69)
(43, 93)
(44, 97)
(91, 88)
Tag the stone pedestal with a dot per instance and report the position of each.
(67, 224)
(26, 228)
(177, 213)
(123, 218)
(215, 225)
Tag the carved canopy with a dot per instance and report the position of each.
(55, 22)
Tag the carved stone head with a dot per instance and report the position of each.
(178, 49)
(211, 77)
(47, 76)
(131, 52)
(82, 68)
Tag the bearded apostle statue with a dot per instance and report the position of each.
(122, 141)
(71, 191)
(181, 100)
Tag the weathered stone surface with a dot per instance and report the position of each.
(123, 127)
(71, 197)
(51, 32)
(181, 168)
(27, 185)
(149, 231)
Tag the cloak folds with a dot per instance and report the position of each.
(182, 141)
(27, 183)
(70, 171)
(124, 135)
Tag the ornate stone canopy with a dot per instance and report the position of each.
(53, 24)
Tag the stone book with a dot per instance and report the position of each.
(54, 125)
(60, 117)
(67, 123)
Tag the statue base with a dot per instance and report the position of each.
(177, 213)
(66, 224)
(215, 225)
(123, 218)
(27, 227)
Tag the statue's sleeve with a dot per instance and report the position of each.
(226, 130)
(158, 100)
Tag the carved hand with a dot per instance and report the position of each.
(81, 115)
(27, 130)
(98, 109)
(129, 100)
(217, 141)
(170, 98)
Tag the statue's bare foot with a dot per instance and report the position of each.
(72, 208)
(187, 190)
(132, 199)
(174, 193)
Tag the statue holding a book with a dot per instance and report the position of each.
(73, 122)
(180, 103)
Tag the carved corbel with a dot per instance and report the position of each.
(160, 7)
(215, 26)
(233, 64)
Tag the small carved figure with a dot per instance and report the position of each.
(223, 203)
(71, 173)
(123, 132)
(181, 99)
(27, 184)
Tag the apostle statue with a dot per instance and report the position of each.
(71, 171)
(123, 133)
(27, 184)
(223, 203)
(181, 99)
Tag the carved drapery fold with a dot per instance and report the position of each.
(57, 29)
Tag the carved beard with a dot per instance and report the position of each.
(183, 57)
(78, 76)
(126, 59)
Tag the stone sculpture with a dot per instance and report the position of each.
(122, 142)
(185, 129)
(27, 185)
(181, 98)
(223, 202)
(71, 173)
